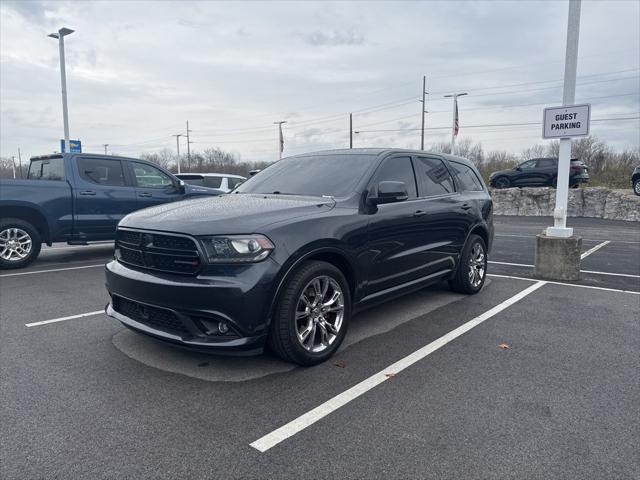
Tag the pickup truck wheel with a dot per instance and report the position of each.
(636, 186)
(20, 243)
(472, 267)
(312, 314)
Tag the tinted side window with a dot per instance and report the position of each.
(433, 176)
(233, 182)
(212, 182)
(466, 177)
(46, 169)
(101, 171)
(528, 165)
(192, 179)
(546, 163)
(397, 169)
(150, 177)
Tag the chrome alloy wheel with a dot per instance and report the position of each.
(477, 265)
(15, 244)
(636, 187)
(319, 314)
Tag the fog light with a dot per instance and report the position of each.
(223, 327)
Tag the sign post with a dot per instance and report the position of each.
(559, 228)
(557, 255)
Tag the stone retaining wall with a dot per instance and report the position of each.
(596, 202)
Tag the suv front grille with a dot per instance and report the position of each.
(157, 251)
(154, 317)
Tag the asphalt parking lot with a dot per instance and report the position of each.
(527, 379)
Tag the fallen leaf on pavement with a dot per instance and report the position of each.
(340, 364)
(504, 345)
(390, 375)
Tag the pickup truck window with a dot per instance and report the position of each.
(46, 169)
(101, 171)
(150, 177)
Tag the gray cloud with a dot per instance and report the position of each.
(334, 38)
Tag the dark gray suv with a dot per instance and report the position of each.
(286, 259)
(539, 172)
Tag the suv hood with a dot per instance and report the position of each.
(225, 214)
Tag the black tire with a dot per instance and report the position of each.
(283, 338)
(554, 182)
(461, 281)
(36, 243)
(502, 182)
(636, 186)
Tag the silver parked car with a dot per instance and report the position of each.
(221, 181)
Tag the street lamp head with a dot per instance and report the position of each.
(53, 35)
(65, 31)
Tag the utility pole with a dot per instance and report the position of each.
(424, 108)
(63, 80)
(456, 126)
(178, 135)
(280, 137)
(20, 162)
(105, 145)
(188, 147)
(351, 130)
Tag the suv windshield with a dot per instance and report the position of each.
(315, 175)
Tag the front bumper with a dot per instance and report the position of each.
(185, 310)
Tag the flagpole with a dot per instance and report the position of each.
(280, 137)
(455, 126)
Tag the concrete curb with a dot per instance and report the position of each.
(594, 202)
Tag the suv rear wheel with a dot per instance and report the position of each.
(472, 267)
(20, 243)
(636, 186)
(312, 314)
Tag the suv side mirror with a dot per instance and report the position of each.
(180, 187)
(518, 168)
(390, 192)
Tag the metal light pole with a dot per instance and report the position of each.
(559, 228)
(63, 80)
(105, 145)
(178, 147)
(455, 126)
(280, 137)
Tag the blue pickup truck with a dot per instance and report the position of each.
(78, 198)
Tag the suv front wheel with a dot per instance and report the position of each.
(312, 314)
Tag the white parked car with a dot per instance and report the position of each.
(222, 181)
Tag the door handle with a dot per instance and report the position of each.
(145, 194)
(87, 192)
(466, 206)
(419, 213)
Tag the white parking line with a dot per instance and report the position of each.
(582, 271)
(533, 236)
(594, 249)
(50, 270)
(566, 284)
(62, 319)
(270, 440)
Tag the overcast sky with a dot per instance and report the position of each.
(138, 70)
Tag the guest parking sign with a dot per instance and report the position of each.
(566, 122)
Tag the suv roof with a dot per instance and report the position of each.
(383, 151)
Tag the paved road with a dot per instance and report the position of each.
(86, 398)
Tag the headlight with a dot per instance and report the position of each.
(236, 248)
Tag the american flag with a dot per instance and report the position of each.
(456, 123)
